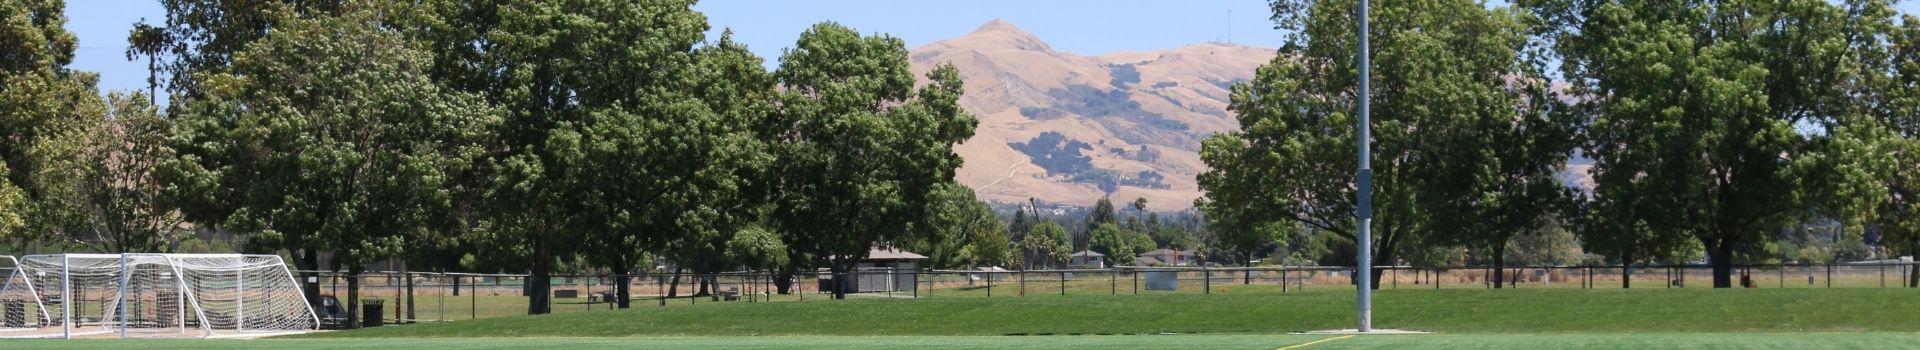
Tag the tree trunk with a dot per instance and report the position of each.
(840, 280)
(353, 298)
(623, 275)
(309, 263)
(673, 287)
(541, 280)
(783, 282)
(456, 285)
(1499, 265)
(1626, 269)
(1721, 258)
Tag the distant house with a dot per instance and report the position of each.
(1146, 261)
(1170, 257)
(1088, 259)
(885, 269)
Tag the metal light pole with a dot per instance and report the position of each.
(1364, 216)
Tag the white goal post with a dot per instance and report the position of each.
(151, 295)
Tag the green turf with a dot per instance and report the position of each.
(1247, 311)
(1263, 342)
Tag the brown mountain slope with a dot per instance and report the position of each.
(1141, 115)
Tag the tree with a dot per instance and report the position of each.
(201, 37)
(1695, 109)
(594, 88)
(123, 202)
(1045, 246)
(991, 248)
(1498, 178)
(1109, 239)
(1895, 105)
(150, 41)
(957, 219)
(861, 152)
(1440, 67)
(43, 113)
(1243, 235)
(325, 138)
(1102, 213)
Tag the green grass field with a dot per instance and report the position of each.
(1243, 311)
(1261, 342)
(1234, 317)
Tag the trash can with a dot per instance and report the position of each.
(370, 313)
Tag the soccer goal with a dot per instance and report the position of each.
(152, 295)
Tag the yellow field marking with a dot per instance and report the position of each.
(1302, 345)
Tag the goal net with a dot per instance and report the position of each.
(153, 295)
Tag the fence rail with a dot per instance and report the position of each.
(409, 297)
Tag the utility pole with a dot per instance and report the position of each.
(1364, 272)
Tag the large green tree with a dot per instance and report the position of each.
(861, 151)
(1506, 137)
(623, 134)
(1715, 119)
(1896, 105)
(1448, 86)
(122, 199)
(200, 38)
(326, 137)
(44, 108)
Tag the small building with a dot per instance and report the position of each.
(1088, 259)
(884, 270)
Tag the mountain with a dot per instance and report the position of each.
(1068, 128)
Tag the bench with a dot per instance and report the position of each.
(566, 293)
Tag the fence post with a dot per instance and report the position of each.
(1829, 275)
(989, 275)
(1206, 280)
(1113, 281)
(1396, 277)
(1063, 283)
(1883, 274)
(1284, 280)
(1023, 283)
(1136, 282)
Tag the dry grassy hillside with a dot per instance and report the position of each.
(1140, 115)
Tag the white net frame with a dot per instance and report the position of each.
(154, 295)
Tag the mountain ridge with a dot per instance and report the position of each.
(1068, 128)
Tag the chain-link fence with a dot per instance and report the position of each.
(407, 297)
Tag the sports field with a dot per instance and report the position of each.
(1844, 318)
(1262, 342)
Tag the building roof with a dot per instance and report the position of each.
(1088, 253)
(892, 254)
(1163, 252)
(1145, 261)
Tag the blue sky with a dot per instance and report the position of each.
(1082, 26)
